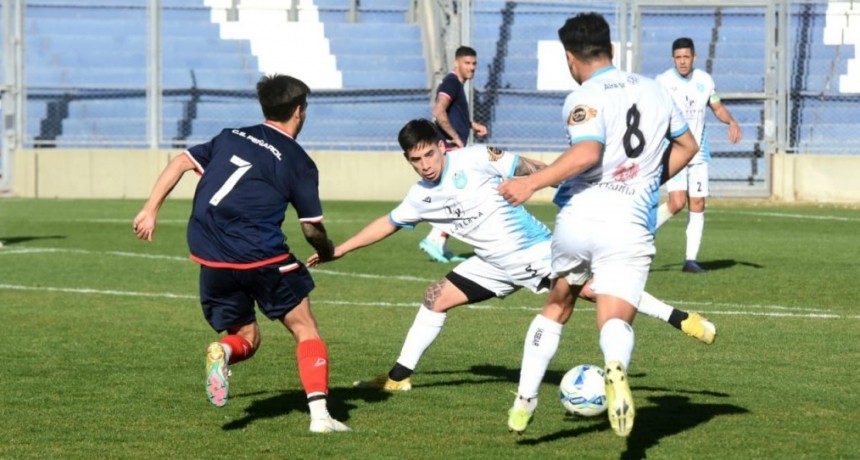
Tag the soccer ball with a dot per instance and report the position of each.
(582, 390)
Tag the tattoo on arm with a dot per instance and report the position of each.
(526, 166)
(316, 236)
(433, 292)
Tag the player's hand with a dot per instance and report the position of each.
(315, 259)
(480, 130)
(735, 133)
(516, 191)
(144, 225)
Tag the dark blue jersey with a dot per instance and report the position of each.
(458, 112)
(248, 178)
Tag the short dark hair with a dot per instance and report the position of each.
(465, 51)
(683, 42)
(279, 95)
(417, 132)
(586, 36)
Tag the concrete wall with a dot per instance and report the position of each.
(108, 173)
(816, 178)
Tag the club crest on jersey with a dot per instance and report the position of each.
(495, 154)
(700, 87)
(460, 180)
(580, 114)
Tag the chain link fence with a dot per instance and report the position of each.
(107, 74)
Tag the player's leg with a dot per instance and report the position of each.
(614, 318)
(690, 323)
(676, 186)
(621, 266)
(471, 282)
(698, 191)
(282, 293)
(540, 346)
(226, 307)
(313, 362)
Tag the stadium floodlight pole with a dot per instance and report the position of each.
(153, 83)
(12, 90)
(466, 38)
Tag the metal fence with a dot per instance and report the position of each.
(170, 73)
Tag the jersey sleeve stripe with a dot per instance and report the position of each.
(197, 168)
(600, 139)
(311, 220)
(683, 130)
(514, 166)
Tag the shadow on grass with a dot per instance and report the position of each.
(287, 401)
(10, 240)
(709, 265)
(673, 414)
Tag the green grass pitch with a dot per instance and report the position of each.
(101, 354)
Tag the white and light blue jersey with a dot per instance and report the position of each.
(692, 95)
(633, 117)
(466, 204)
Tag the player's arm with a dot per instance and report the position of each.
(528, 166)
(722, 114)
(576, 159)
(440, 113)
(317, 236)
(373, 232)
(680, 152)
(144, 222)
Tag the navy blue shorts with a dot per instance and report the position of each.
(228, 296)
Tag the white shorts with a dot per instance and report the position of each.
(529, 268)
(693, 179)
(617, 255)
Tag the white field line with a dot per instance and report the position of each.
(364, 221)
(789, 216)
(128, 221)
(167, 295)
(784, 312)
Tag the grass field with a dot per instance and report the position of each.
(102, 348)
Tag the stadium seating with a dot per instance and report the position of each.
(89, 48)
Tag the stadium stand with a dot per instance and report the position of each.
(86, 71)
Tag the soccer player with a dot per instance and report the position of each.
(458, 193)
(692, 90)
(454, 121)
(248, 177)
(617, 124)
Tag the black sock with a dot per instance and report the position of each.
(677, 316)
(399, 372)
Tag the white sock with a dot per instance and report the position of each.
(318, 408)
(540, 346)
(654, 307)
(663, 214)
(426, 327)
(695, 227)
(616, 341)
(529, 404)
(437, 237)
